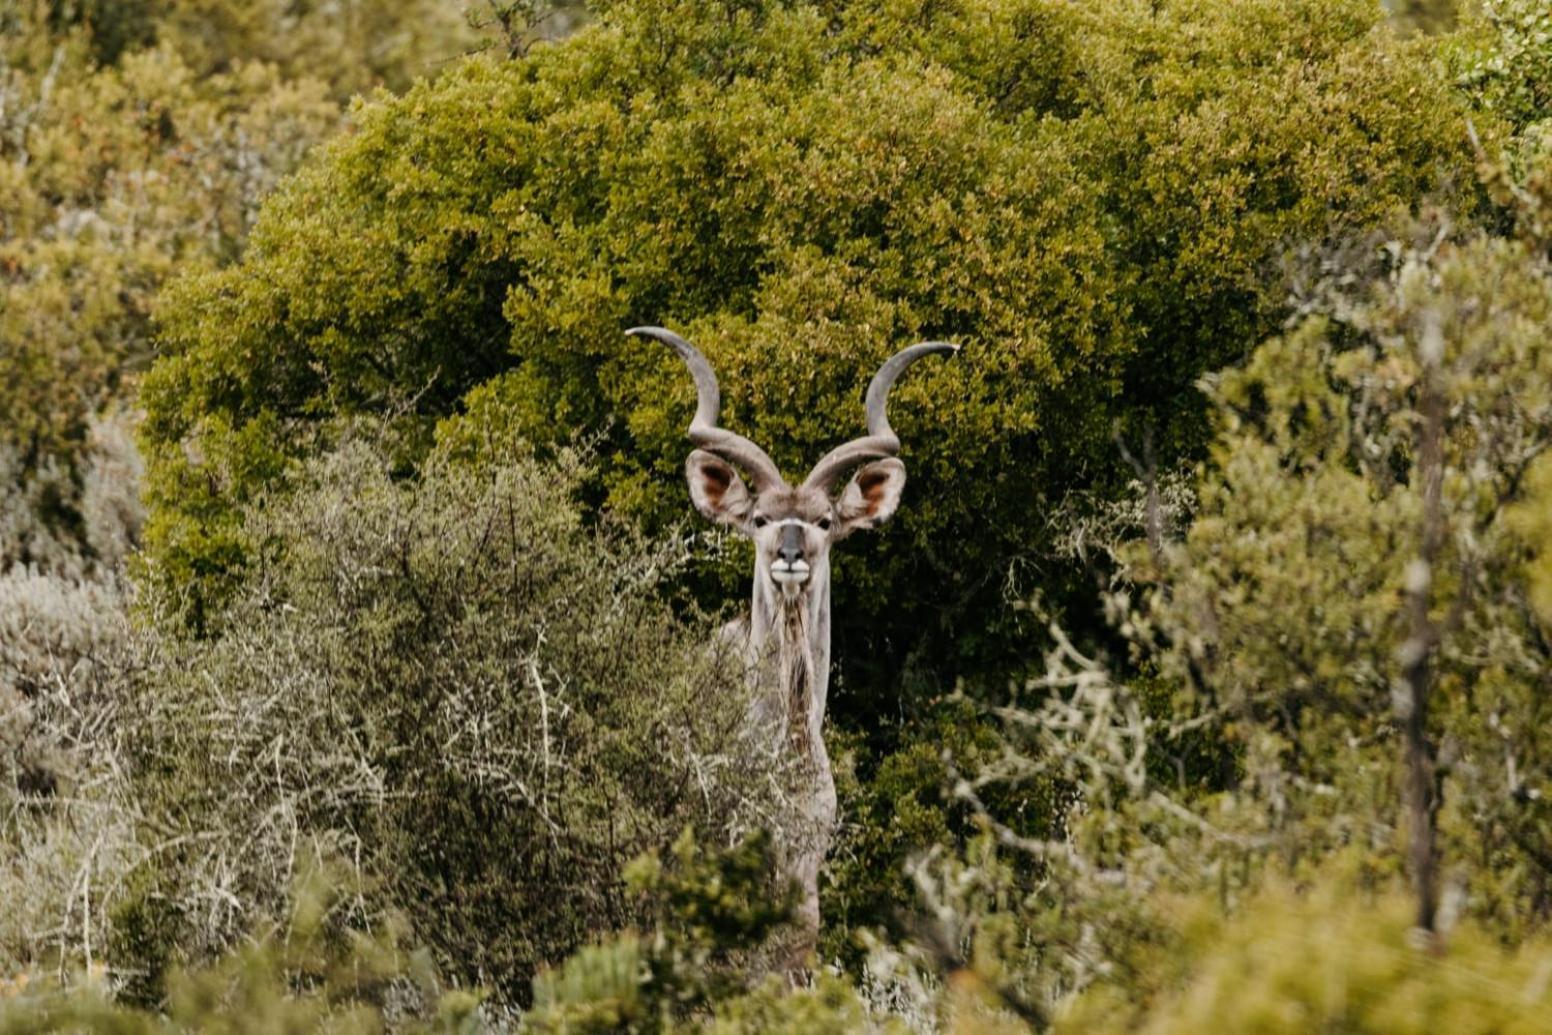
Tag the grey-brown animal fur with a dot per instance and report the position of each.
(786, 637)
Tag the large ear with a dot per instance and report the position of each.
(716, 489)
(872, 495)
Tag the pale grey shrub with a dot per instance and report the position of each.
(456, 683)
(112, 513)
(64, 631)
(68, 825)
(29, 504)
(78, 523)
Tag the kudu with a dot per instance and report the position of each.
(786, 636)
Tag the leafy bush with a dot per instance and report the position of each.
(1287, 594)
(136, 140)
(1338, 957)
(67, 824)
(1505, 63)
(354, 45)
(713, 913)
(78, 525)
(110, 180)
(698, 971)
(1088, 195)
(452, 681)
(1532, 519)
(893, 808)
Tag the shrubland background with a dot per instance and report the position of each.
(353, 665)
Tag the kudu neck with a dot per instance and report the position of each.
(775, 614)
(793, 634)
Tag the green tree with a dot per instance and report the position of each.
(136, 141)
(1504, 61)
(109, 181)
(1533, 520)
(1383, 441)
(1088, 196)
(1337, 956)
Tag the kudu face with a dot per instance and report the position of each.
(793, 528)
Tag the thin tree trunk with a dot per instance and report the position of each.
(1416, 654)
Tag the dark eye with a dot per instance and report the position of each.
(761, 521)
(824, 524)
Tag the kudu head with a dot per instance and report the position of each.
(793, 526)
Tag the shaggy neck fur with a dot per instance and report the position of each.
(795, 661)
(794, 633)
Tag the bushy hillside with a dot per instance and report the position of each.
(1202, 683)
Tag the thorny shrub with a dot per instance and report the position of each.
(454, 682)
(67, 824)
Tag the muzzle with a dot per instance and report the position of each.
(789, 568)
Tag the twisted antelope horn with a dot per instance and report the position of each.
(880, 441)
(704, 431)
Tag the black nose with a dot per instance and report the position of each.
(791, 547)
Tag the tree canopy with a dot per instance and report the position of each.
(1090, 198)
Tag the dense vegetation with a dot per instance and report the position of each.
(388, 702)
(1091, 199)
(455, 684)
(134, 147)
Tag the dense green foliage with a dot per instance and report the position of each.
(893, 805)
(109, 182)
(1257, 329)
(1089, 197)
(1312, 520)
(305, 974)
(137, 141)
(1533, 521)
(1337, 957)
(1506, 63)
(1275, 611)
(353, 45)
(713, 915)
